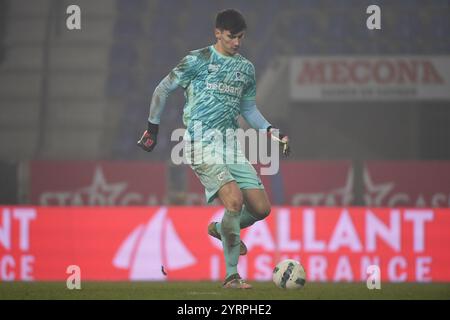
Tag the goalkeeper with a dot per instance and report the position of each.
(219, 86)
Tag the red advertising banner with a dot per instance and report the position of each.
(316, 183)
(407, 183)
(103, 183)
(133, 243)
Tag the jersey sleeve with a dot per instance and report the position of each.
(250, 88)
(186, 70)
(252, 115)
(158, 103)
(181, 76)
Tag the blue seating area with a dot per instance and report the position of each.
(152, 36)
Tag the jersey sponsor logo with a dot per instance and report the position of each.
(224, 88)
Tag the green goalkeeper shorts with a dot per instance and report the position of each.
(214, 176)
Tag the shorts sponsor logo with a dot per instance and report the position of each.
(220, 176)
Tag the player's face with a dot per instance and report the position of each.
(228, 42)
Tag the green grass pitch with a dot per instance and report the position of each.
(213, 291)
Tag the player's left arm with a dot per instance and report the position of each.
(256, 120)
(253, 116)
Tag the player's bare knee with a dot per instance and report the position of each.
(234, 201)
(235, 204)
(266, 212)
(262, 212)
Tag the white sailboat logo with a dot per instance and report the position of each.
(151, 245)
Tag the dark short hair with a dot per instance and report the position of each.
(231, 20)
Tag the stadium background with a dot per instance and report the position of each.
(74, 102)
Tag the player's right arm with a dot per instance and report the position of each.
(180, 76)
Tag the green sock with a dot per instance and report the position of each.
(247, 219)
(230, 233)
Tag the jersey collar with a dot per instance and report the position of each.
(222, 55)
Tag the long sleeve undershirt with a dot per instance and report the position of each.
(162, 91)
(251, 114)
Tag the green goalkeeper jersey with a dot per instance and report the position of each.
(215, 86)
